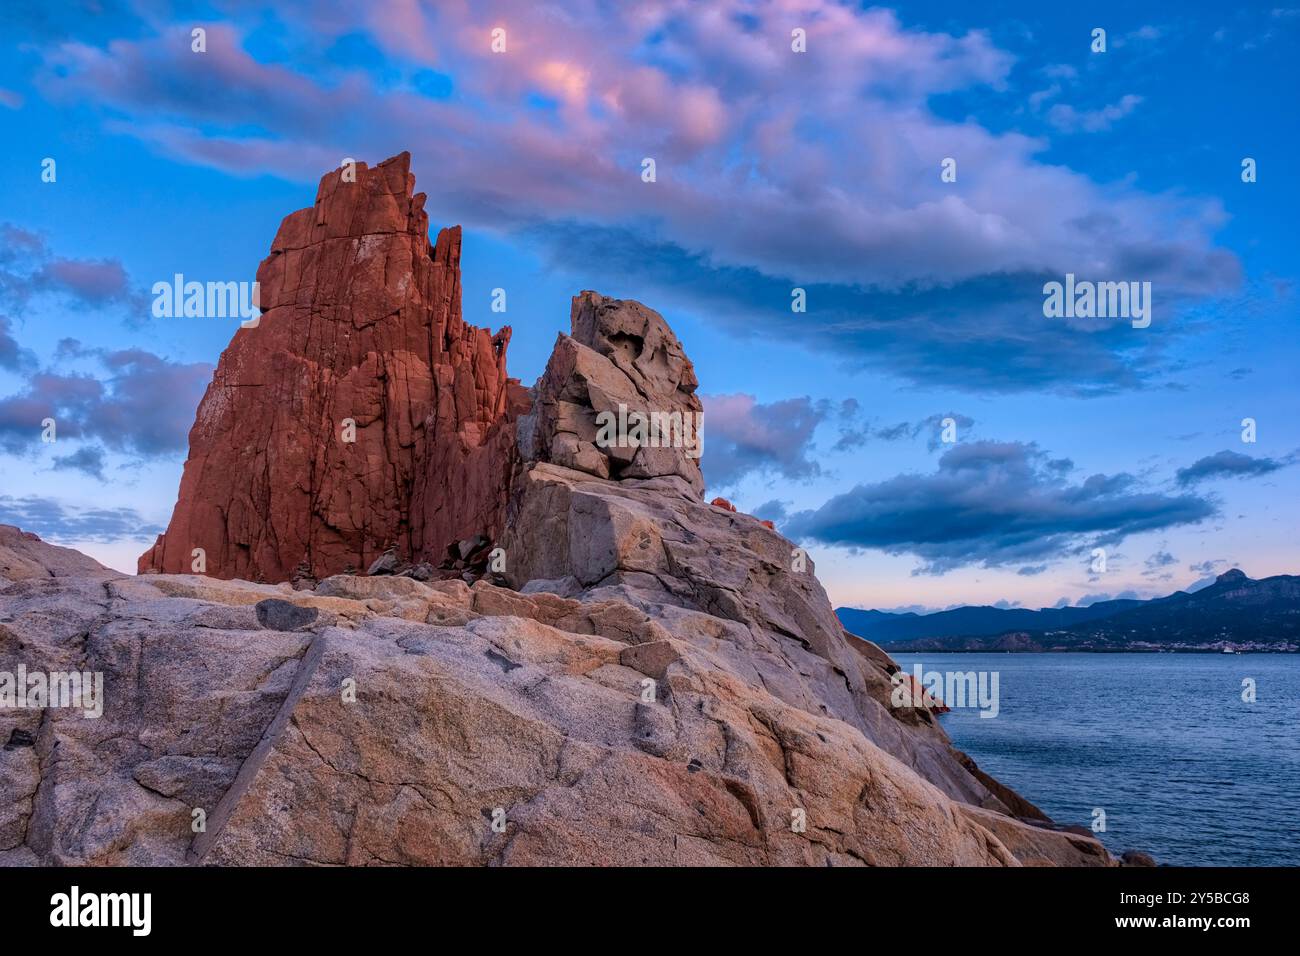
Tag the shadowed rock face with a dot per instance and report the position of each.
(663, 681)
(362, 325)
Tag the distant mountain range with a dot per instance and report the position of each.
(1235, 611)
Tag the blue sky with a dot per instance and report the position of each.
(775, 170)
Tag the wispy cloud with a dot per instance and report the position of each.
(1068, 119)
(1230, 464)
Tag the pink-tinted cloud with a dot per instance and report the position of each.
(791, 169)
(818, 167)
(138, 402)
(94, 281)
(28, 267)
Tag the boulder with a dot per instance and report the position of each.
(617, 399)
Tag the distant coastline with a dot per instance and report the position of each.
(1236, 614)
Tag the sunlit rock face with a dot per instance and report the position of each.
(360, 414)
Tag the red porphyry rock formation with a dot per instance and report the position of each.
(362, 322)
(723, 503)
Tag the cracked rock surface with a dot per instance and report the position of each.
(396, 722)
(362, 412)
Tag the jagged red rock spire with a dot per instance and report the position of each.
(362, 322)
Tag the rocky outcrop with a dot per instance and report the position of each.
(24, 555)
(617, 399)
(361, 413)
(717, 580)
(388, 721)
(645, 679)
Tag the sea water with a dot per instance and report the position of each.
(1168, 747)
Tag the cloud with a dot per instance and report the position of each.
(10, 99)
(986, 335)
(992, 504)
(12, 356)
(1069, 120)
(92, 281)
(55, 521)
(17, 243)
(775, 169)
(933, 426)
(140, 403)
(774, 511)
(1161, 559)
(28, 267)
(88, 460)
(743, 436)
(1039, 97)
(1229, 464)
(1156, 566)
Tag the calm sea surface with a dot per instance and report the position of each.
(1183, 768)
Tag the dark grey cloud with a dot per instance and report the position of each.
(1229, 464)
(773, 511)
(88, 460)
(985, 334)
(137, 403)
(55, 521)
(993, 504)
